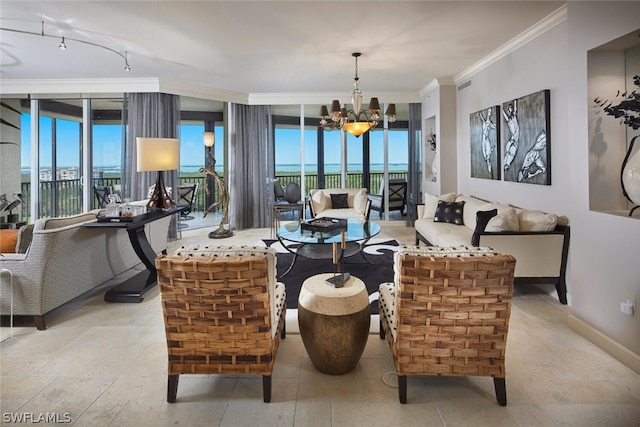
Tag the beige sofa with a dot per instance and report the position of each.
(322, 204)
(538, 240)
(59, 259)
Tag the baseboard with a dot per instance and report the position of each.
(621, 353)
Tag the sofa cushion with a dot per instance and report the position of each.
(339, 201)
(431, 203)
(482, 219)
(449, 212)
(505, 220)
(536, 221)
(360, 201)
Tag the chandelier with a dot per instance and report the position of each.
(356, 121)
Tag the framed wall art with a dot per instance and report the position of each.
(525, 139)
(485, 150)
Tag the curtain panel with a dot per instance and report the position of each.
(414, 178)
(251, 146)
(149, 115)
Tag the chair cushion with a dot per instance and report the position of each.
(339, 201)
(387, 303)
(319, 201)
(449, 212)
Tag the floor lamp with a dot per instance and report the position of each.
(223, 191)
(158, 154)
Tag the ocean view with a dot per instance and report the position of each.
(281, 168)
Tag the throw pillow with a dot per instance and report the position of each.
(339, 201)
(536, 221)
(506, 220)
(360, 201)
(482, 219)
(431, 203)
(449, 212)
(319, 201)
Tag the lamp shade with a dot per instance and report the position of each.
(208, 138)
(157, 154)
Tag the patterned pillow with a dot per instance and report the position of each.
(449, 212)
(339, 201)
(482, 219)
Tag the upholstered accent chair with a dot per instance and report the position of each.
(224, 312)
(447, 314)
(397, 197)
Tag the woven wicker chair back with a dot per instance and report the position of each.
(217, 314)
(452, 315)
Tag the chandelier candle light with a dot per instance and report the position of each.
(158, 154)
(223, 191)
(356, 121)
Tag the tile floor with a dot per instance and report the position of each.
(102, 364)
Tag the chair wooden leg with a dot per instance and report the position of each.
(382, 334)
(266, 388)
(283, 333)
(402, 388)
(172, 388)
(501, 391)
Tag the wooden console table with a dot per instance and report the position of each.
(132, 289)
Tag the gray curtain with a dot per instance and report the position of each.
(414, 178)
(150, 115)
(250, 148)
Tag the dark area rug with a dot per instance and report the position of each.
(380, 253)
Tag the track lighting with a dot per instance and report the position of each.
(63, 45)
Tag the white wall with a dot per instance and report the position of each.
(603, 253)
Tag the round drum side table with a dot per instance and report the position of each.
(334, 323)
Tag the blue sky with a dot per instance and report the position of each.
(107, 145)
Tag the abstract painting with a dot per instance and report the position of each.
(525, 139)
(485, 150)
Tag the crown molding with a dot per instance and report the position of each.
(202, 92)
(436, 83)
(12, 87)
(326, 98)
(550, 21)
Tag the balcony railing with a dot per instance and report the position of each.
(67, 193)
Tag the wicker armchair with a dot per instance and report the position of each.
(223, 314)
(447, 314)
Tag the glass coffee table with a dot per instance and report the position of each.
(315, 244)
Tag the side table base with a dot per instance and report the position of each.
(334, 343)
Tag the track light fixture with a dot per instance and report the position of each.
(63, 45)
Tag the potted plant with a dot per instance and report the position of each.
(628, 111)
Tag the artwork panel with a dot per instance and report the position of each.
(526, 139)
(484, 143)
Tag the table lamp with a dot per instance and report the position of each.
(158, 154)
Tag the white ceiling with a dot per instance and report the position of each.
(262, 47)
